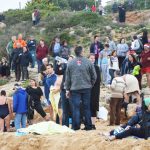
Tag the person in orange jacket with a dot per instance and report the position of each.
(21, 41)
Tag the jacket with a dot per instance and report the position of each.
(25, 59)
(117, 87)
(80, 74)
(31, 44)
(20, 101)
(122, 49)
(16, 56)
(41, 52)
(22, 42)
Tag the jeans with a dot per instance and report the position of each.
(66, 107)
(105, 74)
(111, 73)
(24, 71)
(39, 62)
(83, 96)
(138, 132)
(33, 54)
(20, 119)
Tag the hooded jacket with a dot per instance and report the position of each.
(20, 101)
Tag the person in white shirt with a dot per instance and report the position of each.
(113, 64)
(135, 44)
(33, 18)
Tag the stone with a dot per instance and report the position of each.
(108, 28)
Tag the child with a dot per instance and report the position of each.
(20, 106)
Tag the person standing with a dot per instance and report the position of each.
(112, 45)
(122, 49)
(31, 44)
(20, 106)
(9, 49)
(100, 9)
(96, 47)
(95, 93)
(25, 59)
(80, 78)
(122, 14)
(41, 52)
(145, 61)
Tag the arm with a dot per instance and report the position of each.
(93, 74)
(15, 103)
(113, 84)
(68, 79)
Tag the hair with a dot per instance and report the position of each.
(121, 40)
(51, 65)
(135, 37)
(63, 42)
(3, 93)
(134, 58)
(42, 40)
(118, 73)
(95, 37)
(111, 63)
(71, 56)
(91, 54)
(44, 59)
(106, 45)
(36, 84)
(78, 50)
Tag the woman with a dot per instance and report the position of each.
(35, 93)
(5, 111)
(122, 49)
(64, 50)
(145, 60)
(145, 37)
(113, 64)
(133, 63)
(95, 93)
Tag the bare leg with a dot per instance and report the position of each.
(7, 120)
(1, 125)
(51, 112)
(93, 120)
(47, 118)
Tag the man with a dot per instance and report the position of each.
(49, 81)
(21, 41)
(16, 55)
(56, 47)
(9, 49)
(80, 78)
(31, 44)
(96, 47)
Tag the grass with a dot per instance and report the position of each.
(3, 82)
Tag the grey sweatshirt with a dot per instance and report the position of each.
(80, 74)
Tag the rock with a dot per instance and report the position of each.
(2, 25)
(72, 32)
(42, 30)
(108, 28)
(113, 33)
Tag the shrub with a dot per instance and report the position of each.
(3, 82)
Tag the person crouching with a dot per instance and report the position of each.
(117, 89)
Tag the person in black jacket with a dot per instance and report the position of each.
(96, 47)
(25, 59)
(122, 14)
(16, 61)
(95, 92)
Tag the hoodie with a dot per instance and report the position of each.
(20, 101)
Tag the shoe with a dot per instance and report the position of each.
(87, 128)
(93, 127)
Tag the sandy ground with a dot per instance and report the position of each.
(81, 140)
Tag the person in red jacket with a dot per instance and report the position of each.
(145, 61)
(41, 52)
(93, 8)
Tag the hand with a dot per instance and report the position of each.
(128, 127)
(138, 126)
(67, 94)
(148, 58)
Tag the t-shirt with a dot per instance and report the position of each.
(35, 93)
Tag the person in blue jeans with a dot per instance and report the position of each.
(80, 78)
(20, 106)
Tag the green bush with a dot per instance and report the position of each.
(3, 82)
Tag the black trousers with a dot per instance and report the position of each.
(138, 132)
(24, 71)
(120, 59)
(17, 71)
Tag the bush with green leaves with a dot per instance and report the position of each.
(3, 82)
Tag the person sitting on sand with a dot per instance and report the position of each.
(138, 125)
(5, 111)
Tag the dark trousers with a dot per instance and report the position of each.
(138, 132)
(39, 62)
(84, 97)
(111, 72)
(17, 71)
(24, 71)
(115, 110)
(120, 59)
(66, 108)
(96, 61)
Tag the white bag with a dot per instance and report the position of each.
(103, 113)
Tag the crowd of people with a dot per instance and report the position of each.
(69, 85)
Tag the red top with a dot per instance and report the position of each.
(93, 8)
(41, 52)
(145, 59)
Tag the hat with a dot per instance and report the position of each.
(147, 101)
(16, 86)
(146, 45)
